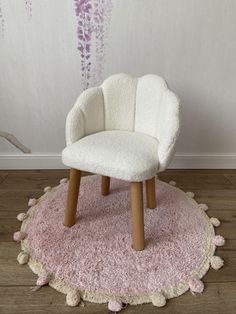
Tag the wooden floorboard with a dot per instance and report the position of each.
(216, 188)
(217, 298)
(3, 176)
(232, 178)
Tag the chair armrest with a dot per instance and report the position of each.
(168, 128)
(74, 125)
(87, 115)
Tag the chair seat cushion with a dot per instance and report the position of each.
(123, 155)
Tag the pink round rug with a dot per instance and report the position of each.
(94, 261)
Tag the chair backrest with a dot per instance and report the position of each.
(133, 104)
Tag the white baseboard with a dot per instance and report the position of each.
(53, 161)
(31, 161)
(203, 162)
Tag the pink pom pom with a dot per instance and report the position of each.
(43, 280)
(115, 305)
(32, 202)
(196, 285)
(19, 235)
(218, 240)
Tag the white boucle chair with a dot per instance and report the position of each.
(126, 129)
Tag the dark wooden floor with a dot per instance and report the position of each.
(215, 187)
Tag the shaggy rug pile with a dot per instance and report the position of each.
(94, 261)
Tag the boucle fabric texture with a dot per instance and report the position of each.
(123, 103)
(94, 259)
(130, 156)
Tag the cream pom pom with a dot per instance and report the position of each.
(32, 202)
(47, 189)
(23, 258)
(215, 222)
(217, 262)
(190, 194)
(115, 305)
(173, 183)
(158, 299)
(72, 298)
(203, 207)
(22, 216)
(64, 180)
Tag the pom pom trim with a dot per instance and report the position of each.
(216, 262)
(115, 305)
(32, 202)
(63, 181)
(22, 216)
(215, 222)
(23, 258)
(47, 189)
(43, 280)
(190, 194)
(196, 285)
(19, 236)
(72, 298)
(218, 240)
(203, 207)
(158, 299)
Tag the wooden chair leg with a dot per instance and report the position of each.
(72, 197)
(105, 185)
(137, 216)
(151, 193)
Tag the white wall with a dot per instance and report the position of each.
(191, 43)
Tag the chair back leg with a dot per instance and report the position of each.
(151, 193)
(72, 197)
(105, 188)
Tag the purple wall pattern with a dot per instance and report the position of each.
(92, 31)
(93, 21)
(2, 22)
(28, 7)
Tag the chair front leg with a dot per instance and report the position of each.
(105, 189)
(72, 197)
(151, 193)
(137, 216)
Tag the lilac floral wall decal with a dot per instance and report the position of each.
(2, 22)
(28, 7)
(102, 16)
(83, 10)
(92, 31)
